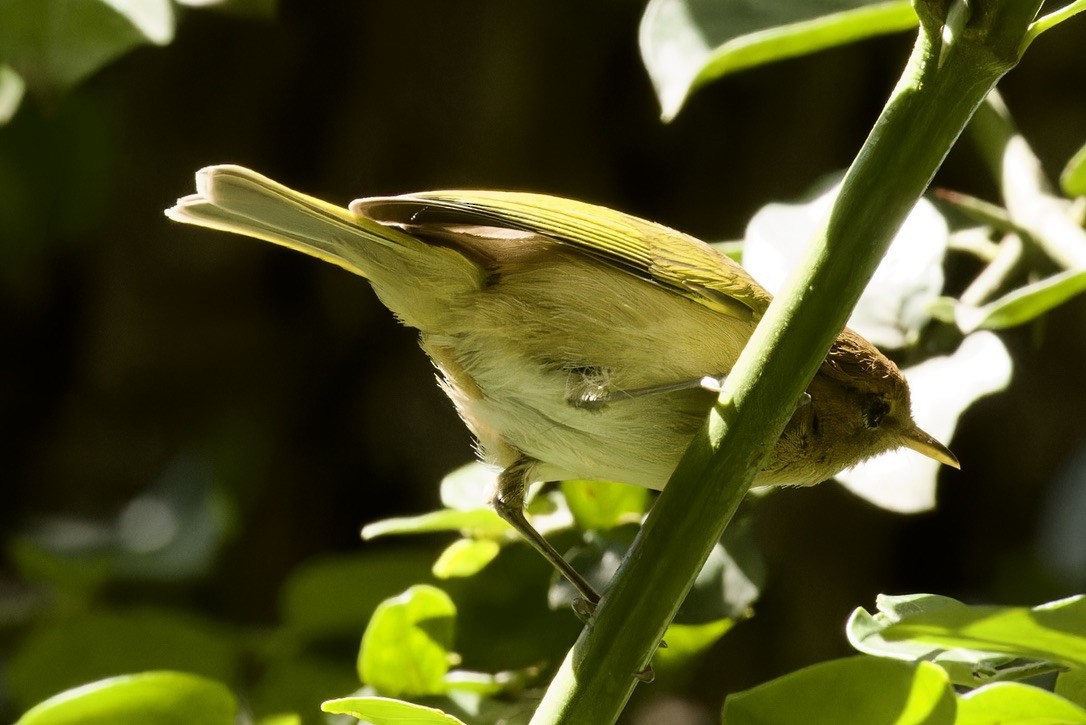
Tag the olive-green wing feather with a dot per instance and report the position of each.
(644, 249)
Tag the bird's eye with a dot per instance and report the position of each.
(876, 410)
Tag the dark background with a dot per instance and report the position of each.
(131, 343)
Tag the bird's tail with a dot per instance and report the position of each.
(403, 269)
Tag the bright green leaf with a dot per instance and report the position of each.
(11, 93)
(334, 595)
(386, 711)
(477, 523)
(966, 667)
(1055, 632)
(1073, 178)
(94, 645)
(601, 505)
(853, 690)
(465, 557)
(687, 43)
(1013, 702)
(689, 640)
(149, 698)
(288, 718)
(1023, 304)
(405, 649)
(54, 44)
(1071, 685)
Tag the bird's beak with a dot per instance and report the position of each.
(923, 443)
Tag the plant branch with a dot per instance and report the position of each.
(938, 93)
(1052, 19)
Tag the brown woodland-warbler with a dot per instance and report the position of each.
(575, 341)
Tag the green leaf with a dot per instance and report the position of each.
(601, 505)
(687, 43)
(728, 583)
(477, 523)
(149, 698)
(405, 649)
(386, 711)
(54, 44)
(967, 667)
(1023, 304)
(685, 641)
(731, 579)
(1071, 686)
(11, 93)
(853, 690)
(465, 557)
(1013, 702)
(334, 595)
(1073, 178)
(287, 718)
(1055, 631)
(94, 645)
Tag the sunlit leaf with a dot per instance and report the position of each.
(476, 523)
(289, 718)
(469, 487)
(1023, 304)
(405, 649)
(687, 43)
(685, 641)
(967, 667)
(1056, 631)
(943, 388)
(11, 93)
(54, 44)
(854, 690)
(386, 711)
(1073, 178)
(149, 698)
(264, 9)
(895, 305)
(601, 505)
(1013, 702)
(465, 557)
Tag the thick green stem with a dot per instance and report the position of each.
(939, 91)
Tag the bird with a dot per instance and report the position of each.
(575, 341)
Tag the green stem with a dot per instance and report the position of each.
(939, 91)
(996, 275)
(1052, 19)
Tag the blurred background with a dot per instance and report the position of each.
(189, 417)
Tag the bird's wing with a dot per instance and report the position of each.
(649, 251)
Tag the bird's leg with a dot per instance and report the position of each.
(591, 390)
(509, 503)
